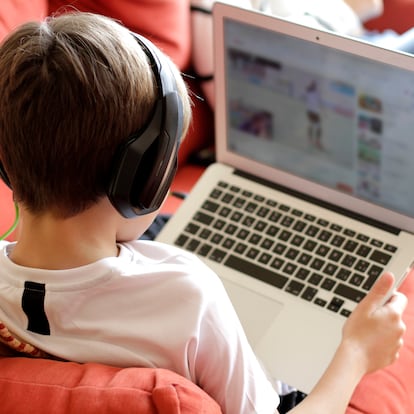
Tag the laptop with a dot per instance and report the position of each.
(310, 198)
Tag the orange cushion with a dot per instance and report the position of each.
(39, 386)
(390, 390)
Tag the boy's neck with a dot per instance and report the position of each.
(47, 242)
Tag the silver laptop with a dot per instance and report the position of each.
(311, 197)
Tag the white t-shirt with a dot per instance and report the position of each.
(154, 305)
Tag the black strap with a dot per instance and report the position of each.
(33, 305)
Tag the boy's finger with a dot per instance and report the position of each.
(398, 301)
(379, 291)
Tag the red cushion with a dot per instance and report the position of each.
(397, 15)
(39, 386)
(13, 13)
(166, 22)
(6, 209)
(390, 391)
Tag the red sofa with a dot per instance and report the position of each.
(39, 386)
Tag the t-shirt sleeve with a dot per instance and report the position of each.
(225, 364)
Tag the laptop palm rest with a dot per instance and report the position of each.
(248, 305)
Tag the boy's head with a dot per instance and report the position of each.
(73, 91)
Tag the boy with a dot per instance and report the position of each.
(90, 122)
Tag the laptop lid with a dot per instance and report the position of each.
(264, 68)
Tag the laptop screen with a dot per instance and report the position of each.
(332, 117)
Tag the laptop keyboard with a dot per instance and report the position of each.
(309, 257)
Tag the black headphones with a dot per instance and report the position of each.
(144, 166)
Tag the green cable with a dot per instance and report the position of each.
(14, 225)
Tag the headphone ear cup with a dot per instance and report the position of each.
(144, 166)
(3, 176)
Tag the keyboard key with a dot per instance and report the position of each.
(320, 302)
(349, 292)
(252, 253)
(236, 216)
(363, 250)
(328, 284)
(277, 263)
(294, 287)
(205, 234)
(265, 258)
(390, 248)
(302, 273)
(243, 234)
(356, 279)
(312, 231)
(362, 266)
(267, 244)
(337, 241)
(216, 238)
(192, 245)
(348, 260)
(230, 229)
(181, 240)
(210, 206)
(380, 257)
(203, 218)
(377, 243)
(309, 293)
(285, 235)
(343, 274)
(310, 245)
(350, 246)
(335, 255)
(335, 304)
(192, 228)
(228, 243)
(204, 250)
(349, 233)
(260, 225)
(240, 248)
(304, 258)
(289, 268)
(275, 216)
(317, 264)
(224, 212)
(279, 248)
(324, 235)
(227, 198)
(287, 221)
(217, 255)
(239, 202)
(219, 224)
(272, 230)
(299, 226)
(256, 271)
(315, 279)
(322, 250)
(251, 207)
(373, 274)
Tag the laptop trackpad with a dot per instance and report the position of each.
(249, 305)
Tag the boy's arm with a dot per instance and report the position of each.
(372, 337)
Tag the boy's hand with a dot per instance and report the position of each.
(375, 330)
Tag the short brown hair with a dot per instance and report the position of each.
(72, 88)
